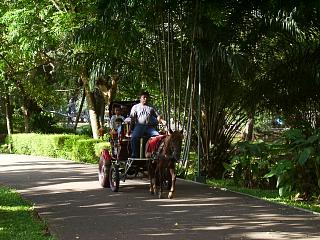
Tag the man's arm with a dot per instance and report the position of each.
(161, 120)
(133, 111)
(159, 117)
(133, 116)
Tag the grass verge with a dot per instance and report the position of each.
(268, 195)
(18, 219)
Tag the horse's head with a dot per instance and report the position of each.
(174, 144)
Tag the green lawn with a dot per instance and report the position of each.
(18, 219)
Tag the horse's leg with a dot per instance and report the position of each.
(160, 182)
(156, 179)
(173, 174)
(168, 179)
(151, 170)
(159, 178)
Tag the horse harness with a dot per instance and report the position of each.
(155, 154)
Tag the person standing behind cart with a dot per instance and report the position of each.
(144, 119)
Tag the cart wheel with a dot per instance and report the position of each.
(114, 178)
(104, 170)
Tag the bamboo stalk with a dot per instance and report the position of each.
(168, 89)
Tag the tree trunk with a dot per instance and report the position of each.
(100, 107)
(91, 105)
(80, 109)
(108, 88)
(102, 113)
(248, 131)
(26, 116)
(93, 119)
(8, 114)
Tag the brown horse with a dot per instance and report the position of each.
(163, 160)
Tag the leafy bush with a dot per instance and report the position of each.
(299, 169)
(83, 150)
(18, 120)
(85, 130)
(98, 147)
(74, 147)
(3, 127)
(4, 148)
(250, 164)
(42, 122)
(58, 129)
(263, 122)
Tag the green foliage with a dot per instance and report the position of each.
(27, 65)
(263, 122)
(60, 129)
(250, 164)
(98, 147)
(293, 134)
(83, 150)
(262, 55)
(299, 167)
(3, 126)
(64, 145)
(42, 122)
(85, 130)
(4, 148)
(74, 147)
(191, 170)
(17, 218)
(18, 121)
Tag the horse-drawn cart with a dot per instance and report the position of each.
(116, 164)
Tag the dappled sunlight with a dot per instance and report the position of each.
(180, 211)
(191, 202)
(63, 187)
(15, 208)
(191, 199)
(157, 234)
(70, 197)
(99, 205)
(189, 205)
(213, 228)
(276, 236)
(35, 166)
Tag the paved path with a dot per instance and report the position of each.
(68, 196)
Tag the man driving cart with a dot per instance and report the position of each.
(144, 119)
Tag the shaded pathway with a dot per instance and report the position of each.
(68, 196)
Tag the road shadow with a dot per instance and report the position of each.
(68, 196)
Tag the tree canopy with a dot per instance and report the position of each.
(210, 65)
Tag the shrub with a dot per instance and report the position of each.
(69, 146)
(4, 148)
(83, 150)
(298, 171)
(98, 147)
(3, 126)
(249, 166)
(42, 122)
(85, 130)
